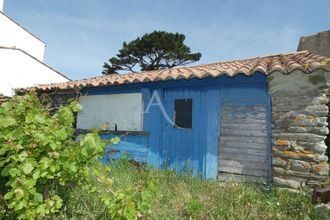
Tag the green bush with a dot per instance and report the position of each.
(46, 171)
(39, 157)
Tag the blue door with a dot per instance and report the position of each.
(182, 139)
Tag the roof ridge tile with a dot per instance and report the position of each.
(285, 63)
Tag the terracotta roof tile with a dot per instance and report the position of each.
(284, 63)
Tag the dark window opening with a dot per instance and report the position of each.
(183, 113)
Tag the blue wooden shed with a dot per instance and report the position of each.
(211, 120)
(234, 108)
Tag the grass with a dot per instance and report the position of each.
(185, 197)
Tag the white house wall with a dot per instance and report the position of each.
(125, 110)
(13, 35)
(19, 70)
(1, 5)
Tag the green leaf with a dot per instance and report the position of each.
(52, 168)
(76, 107)
(115, 140)
(13, 172)
(7, 121)
(36, 174)
(27, 168)
(5, 171)
(40, 118)
(73, 167)
(21, 204)
(45, 163)
(22, 156)
(19, 193)
(38, 197)
(43, 174)
(30, 183)
(3, 150)
(41, 209)
(8, 195)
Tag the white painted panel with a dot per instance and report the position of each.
(125, 110)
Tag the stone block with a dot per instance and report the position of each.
(286, 183)
(279, 162)
(297, 148)
(295, 175)
(281, 142)
(303, 155)
(320, 100)
(319, 148)
(280, 148)
(279, 172)
(297, 129)
(313, 183)
(321, 158)
(302, 166)
(300, 137)
(321, 169)
(319, 130)
(291, 119)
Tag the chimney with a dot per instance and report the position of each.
(318, 44)
(1, 5)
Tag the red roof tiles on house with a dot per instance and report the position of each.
(284, 63)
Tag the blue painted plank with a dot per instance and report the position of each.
(237, 81)
(153, 123)
(135, 147)
(129, 148)
(213, 119)
(116, 156)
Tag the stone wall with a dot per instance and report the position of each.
(316, 44)
(299, 128)
(58, 98)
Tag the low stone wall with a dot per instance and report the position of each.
(299, 128)
(56, 99)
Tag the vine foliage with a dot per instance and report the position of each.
(39, 157)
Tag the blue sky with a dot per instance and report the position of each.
(82, 34)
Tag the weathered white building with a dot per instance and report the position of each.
(21, 58)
